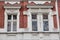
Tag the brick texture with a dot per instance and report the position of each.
(55, 21)
(53, 3)
(23, 18)
(1, 14)
(58, 7)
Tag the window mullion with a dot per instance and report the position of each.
(12, 24)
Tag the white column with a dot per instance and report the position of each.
(18, 20)
(50, 20)
(39, 21)
(29, 20)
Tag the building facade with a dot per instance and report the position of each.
(29, 19)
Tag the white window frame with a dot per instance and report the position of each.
(34, 20)
(39, 11)
(46, 20)
(14, 12)
(12, 21)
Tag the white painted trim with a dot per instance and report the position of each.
(12, 7)
(25, 12)
(39, 6)
(39, 2)
(12, 2)
(29, 20)
(51, 24)
(18, 20)
(39, 10)
(5, 22)
(28, 0)
(49, 11)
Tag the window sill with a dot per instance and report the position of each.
(10, 34)
(26, 32)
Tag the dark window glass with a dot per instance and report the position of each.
(9, 17)
(45, 25)
(34, 16)
(14, 26)
(9, 26)
(34, 25)
(45, 16)
(14, 17)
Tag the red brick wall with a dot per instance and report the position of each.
(23, 18)
(58, 7)
(55, 21)
(53, 3)
(1, 14)
(54, 16)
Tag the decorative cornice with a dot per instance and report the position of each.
(39, 6)
(10, 0)
(41, 0)
(12, 6)
(27, 0)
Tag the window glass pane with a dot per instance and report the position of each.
(9, 17)
(9, 26)
(14, 17)
(34, 16)
(14, 26)
(34, 25)
(45, 16)
(45, 25)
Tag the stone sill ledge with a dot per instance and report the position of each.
(25, 32)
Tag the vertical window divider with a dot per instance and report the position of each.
(12, 24)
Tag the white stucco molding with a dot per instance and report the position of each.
(40, 0)
(26, 0)
(41, 11)
(40, 6)
(36, 11)
(10, 7)
(11, 11)
(54, 13)
(25, 32)
(12, 2)
(25, 13)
